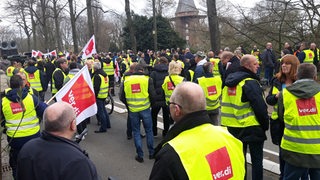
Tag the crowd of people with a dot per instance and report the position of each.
(213, 108)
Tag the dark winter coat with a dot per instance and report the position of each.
(159, 73)
(252, 93)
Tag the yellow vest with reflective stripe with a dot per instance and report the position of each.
(34, 80)
(104, 86)
(309, 56)
(168, 87)
(302, 126)
(12, 112)
(234, 112)
(274, 114)
(136, 92)
(191, 75)
(212, 87)
(108, 68)
(215, 69)
(65, 80)
(9, 71)
(210, 158)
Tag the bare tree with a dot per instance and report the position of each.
(90, 18)
(213, 25)
(130, 26)
(57, 9)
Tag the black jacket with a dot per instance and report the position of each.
(276, 126)
(53, 157)
(158, 75)
(167, 162)
(97, 80)
(252, 93)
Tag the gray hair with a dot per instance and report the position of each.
(97, 65)
(307, 71)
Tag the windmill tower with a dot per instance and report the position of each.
(187, 20)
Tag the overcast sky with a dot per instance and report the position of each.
(138, 6)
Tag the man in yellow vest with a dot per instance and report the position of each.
(101, 87)
(306, 55)
(36, 79)
(194, 148)
(299, 109)
(21, 113)
(59, 76)
(138, 94)
(108, 67)
(212, 88)
(316, 51)
(244, 111)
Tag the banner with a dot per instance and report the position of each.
(79, 93)
(89, 48)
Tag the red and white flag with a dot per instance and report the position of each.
(89, 48)
(53, 53)
(39, 54)
(79, 93)
(117, 72)
(34, 53)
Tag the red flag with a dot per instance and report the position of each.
(53, 53)
(34, 53)
(80, 94)
(39, 54)
(117, 72)
(89, 48)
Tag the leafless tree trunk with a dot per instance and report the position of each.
(44, 23)
(130, 26)
(73, 27)
(56, 13)
(213, 25)
(90, 18)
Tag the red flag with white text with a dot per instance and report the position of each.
(79, 93)
(34, 53)
(117, 72)
(89, 48)
(53, 53)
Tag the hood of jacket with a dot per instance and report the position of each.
(31, 69)
(13, 94)
(233, 79)
(161, 68)
(304, 88)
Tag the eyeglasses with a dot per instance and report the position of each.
(174, 104)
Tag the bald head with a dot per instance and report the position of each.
(58, 116)
(190, 97)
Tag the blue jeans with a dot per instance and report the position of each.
(102, 115)
(256, 154)
(292, 172)
(135, 117)
(268, 73)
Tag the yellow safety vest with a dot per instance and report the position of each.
(215, 69)
(181, 62)
(168, 87)
(274, 114)
(210, 158)
(309, 55)
(108, 68)
(212, 87)
(34, 80)
(12, 112)
(234, 112)
(191, 75)
(136, 91)
(65, 80)
(104, 86)
(302, 127)
(10, 70)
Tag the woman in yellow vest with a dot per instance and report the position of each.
(21, 112)
(212, 88)
(284, 78)
(169, 83)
